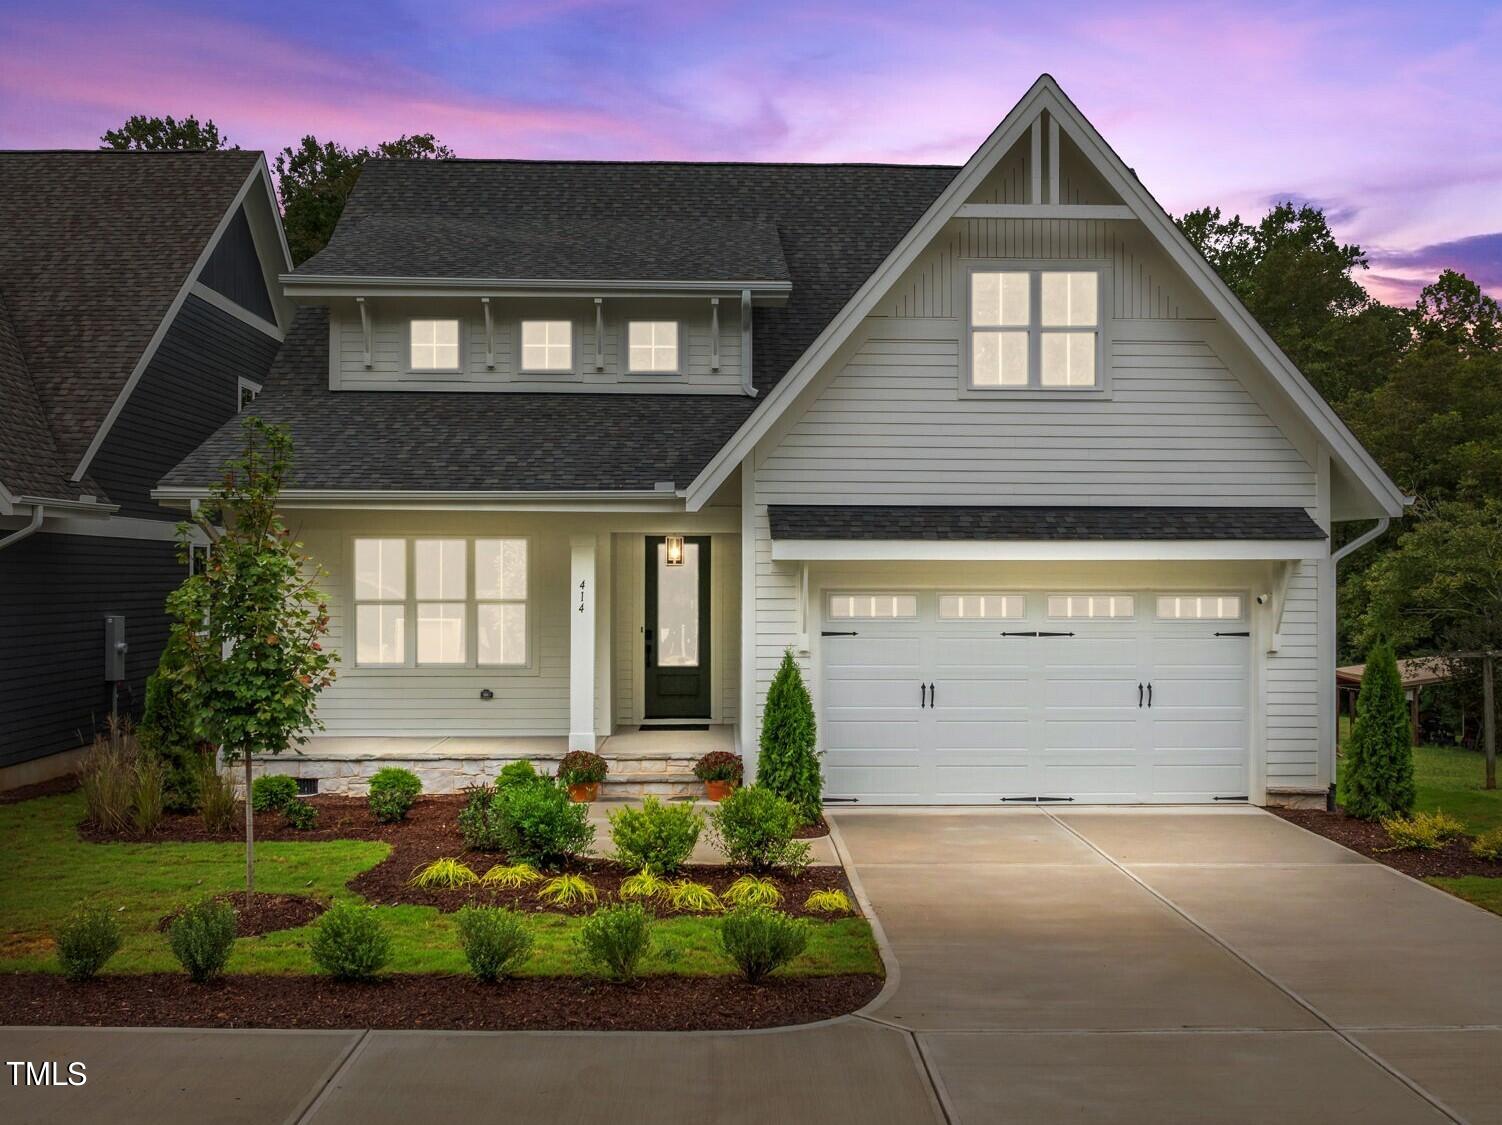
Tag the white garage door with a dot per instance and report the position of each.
(1018, 705)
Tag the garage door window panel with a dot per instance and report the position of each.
(1200, 607)
(982, 607)
(873, 607)
(1091, 607)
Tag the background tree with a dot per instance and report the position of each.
(1378, 768)
(161, 134)
(250, 621)
(788, 764)
(316, 178)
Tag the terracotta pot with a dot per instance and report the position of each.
(584, 791)
(718, 790)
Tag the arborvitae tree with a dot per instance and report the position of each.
(789, 765)
(1378, 767)
(169, 731)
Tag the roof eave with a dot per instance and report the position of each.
(763, 291)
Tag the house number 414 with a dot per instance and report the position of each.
(582, 583)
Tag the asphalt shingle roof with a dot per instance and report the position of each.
(974, 522)
(93, 248)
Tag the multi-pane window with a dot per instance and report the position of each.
(446, 607)
(876, 606)
(1199, 607)
(652, 345)
(435, 345)
(1091, 605)
(247, 390)
(547, 345)
(1034, 329)
(982, 607)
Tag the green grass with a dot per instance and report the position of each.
(50, 870)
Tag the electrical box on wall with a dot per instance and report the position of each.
(115, 648)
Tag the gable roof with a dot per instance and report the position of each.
(1347, 454)
(95, 250)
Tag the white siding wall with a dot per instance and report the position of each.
(1292, 676)
(388, 370)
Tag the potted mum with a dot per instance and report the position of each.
(581, 771)
(720, 771)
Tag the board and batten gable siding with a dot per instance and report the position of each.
(389, 359)
(234, 269)
(189, 389)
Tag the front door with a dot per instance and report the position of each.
(676, 633)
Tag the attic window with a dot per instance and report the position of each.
(1035, 329)
(435, 345)
(547, 345)
(653, 346)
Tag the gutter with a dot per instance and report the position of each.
(30, 529)
(1361, 540)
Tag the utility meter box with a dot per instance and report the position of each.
(115, 648)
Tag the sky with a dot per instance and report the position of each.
(1389, 116)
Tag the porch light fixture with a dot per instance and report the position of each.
(674, 545)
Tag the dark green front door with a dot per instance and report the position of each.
(676, 633)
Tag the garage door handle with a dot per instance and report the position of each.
(933, 696)
(922, 694)
(1139, 695)
(1149, 695)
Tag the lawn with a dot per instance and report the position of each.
(50, 869)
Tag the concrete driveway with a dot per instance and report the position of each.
(1046, 966)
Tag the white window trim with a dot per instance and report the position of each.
(1034, 267)
(1136, 604)
(942, 594)
(242, 384)
(575, 340)
(625, 347)
(432, 372)
(883, 592)
(470, 664)
(1157, 594)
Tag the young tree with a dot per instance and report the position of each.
(788, 764)
(162, 134)
(250, 621)
(315, 180)
(1378, 771)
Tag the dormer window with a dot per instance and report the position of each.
(547, 345)
(434, 345)
(652, 347)
(1035, 329)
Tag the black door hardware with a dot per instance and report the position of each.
(1233, 634)
(1036, 633)
(1241, 798)
(922, 694)
(842, 800)
(1149, 694)
(829, 633)
(1035, 800)
(1139, 695)
(933, 696)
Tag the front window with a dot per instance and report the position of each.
(653, 346)
(435, 345)
(447, 608)
(1034, 329)
(547, 345)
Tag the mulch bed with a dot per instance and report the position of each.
(1370, 839)
(339, 818)
(813, 831)
(52, 788)
(431, 1001)
(263, 912)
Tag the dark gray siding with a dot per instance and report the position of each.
(54, 593)
(187, 392)
(234, 269)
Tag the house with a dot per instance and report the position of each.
(584, 447)
(139, 310)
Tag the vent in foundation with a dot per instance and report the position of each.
(307, 786)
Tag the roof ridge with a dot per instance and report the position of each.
(575, 163)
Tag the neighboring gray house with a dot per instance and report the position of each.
(139, 309)
(584, 447)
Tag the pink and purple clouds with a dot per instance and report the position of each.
(1389, 115)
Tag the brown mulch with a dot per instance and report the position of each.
(262, 912)
(813, 831)
(431, 1001)
(1370, 839)
(51, 788)
(339, 818)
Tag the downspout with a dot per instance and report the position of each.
(30, 529)
(1354, 545)
(1361, 540)
(748, 380)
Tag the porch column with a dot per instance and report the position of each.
(581, 651)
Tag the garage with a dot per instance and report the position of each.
(986, 697)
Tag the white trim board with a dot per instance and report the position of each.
(1046, 95)
(1137, 550)
(225, 305)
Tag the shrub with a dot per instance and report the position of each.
(202, 937)
(538, 824)
(86, 940)
(617, 939)
(692, 898)
(761, 940)
(1422, 830)
(510, 876)
(646, 885)
(272, 792)
(655, 837)
(496, 941)
(720, 765)
(392, 791)
(167, 729)
(1488, 845)
(567, 890)
(1378, 766)
(520, 772)
(301, 815)
(148, 796)
(478, 822)
(442, 874)
(754, 826)
(108, 778)
(216, 794)
(581, 767)
(749, 890)
(829, 902)
(350, 943)
(788, 764)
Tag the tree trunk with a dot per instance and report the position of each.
(1489, 720)
(250, 832)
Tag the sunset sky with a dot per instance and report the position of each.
(1389, 116)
